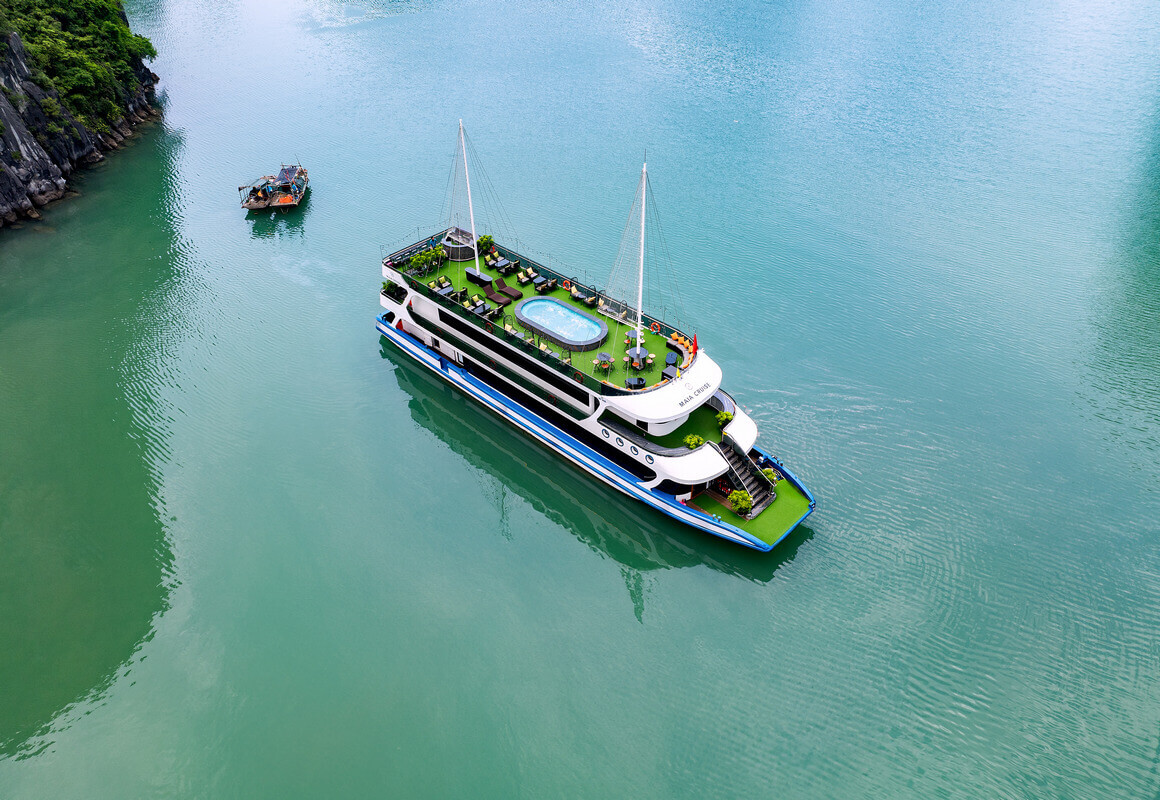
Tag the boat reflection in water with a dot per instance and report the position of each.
(268, 224)
(634, 535)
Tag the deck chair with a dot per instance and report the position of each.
(510, 291)
(496, 297)
(523, 278)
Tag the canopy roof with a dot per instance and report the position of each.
(286, 174)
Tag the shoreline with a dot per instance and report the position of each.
(42, 144)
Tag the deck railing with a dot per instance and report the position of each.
(640, 439)
(397, 258)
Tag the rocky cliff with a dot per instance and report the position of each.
(41, 143)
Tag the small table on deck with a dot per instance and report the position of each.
(671, 359)
(634, 383)
(669, 372)
(637, 356)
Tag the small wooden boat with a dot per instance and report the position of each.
(284, 190)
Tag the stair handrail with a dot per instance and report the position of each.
(753, 469)
(732, 470)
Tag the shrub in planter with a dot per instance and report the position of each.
(485, 243)
(693, 441)
(771, 474)
(740, 502)
(724, 418)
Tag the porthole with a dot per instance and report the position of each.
(649, 459)
(619, 442)
(634, 451)
(602, 430)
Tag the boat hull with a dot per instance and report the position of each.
(572, 449)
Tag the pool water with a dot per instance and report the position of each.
(561, 323)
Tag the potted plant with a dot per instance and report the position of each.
(771, 474)
(693, 441)
(741, 503)
(485, 243)
(723, 419)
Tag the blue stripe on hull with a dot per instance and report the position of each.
(568, 446)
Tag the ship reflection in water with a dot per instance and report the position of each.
(634, 535)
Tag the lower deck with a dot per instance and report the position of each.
(772, 524)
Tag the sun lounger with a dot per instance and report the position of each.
(510, 291)
(496, 297)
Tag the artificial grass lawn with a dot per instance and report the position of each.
(772, 523)
(614, 345)
(702, 422)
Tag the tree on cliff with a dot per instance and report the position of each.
(84, 50)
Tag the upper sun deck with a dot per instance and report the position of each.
(492, 293)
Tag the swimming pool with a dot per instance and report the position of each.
(560, 323)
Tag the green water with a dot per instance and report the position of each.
(245, 551)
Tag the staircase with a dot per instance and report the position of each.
(745, 472)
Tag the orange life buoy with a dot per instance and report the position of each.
(489, 327)
(655, 327)
(578, 377)
(567, 285)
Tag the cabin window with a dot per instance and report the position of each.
(621, 459)
(530, 365)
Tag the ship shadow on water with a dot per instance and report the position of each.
(1125, 384)
(266, 223)
(610, 523)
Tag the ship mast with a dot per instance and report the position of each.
(640, 273)
(470, 210)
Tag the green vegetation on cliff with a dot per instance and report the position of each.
(83, 49)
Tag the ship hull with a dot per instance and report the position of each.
(570, 448)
